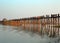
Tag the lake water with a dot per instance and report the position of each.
(10, 34)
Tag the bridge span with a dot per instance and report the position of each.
(49, 25)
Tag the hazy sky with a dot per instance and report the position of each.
(12, 9)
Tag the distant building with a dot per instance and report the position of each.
(4, 19)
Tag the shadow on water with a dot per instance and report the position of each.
(56, 40)
(32, 34)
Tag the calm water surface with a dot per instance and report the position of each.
(10, 34)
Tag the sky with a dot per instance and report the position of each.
(16, 9)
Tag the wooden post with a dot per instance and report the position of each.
(58, 24)
(51, 27)
(28, 25)
(38, 25)
(24, 24)
(48, 28)
(41, 27)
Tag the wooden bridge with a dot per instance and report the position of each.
(48, 25)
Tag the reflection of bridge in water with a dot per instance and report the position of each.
(42, 25)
